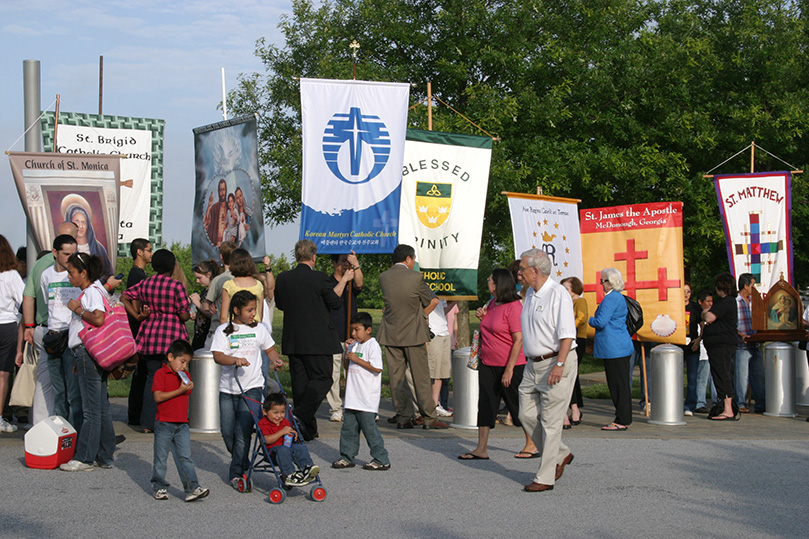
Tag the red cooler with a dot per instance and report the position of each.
(49, 443)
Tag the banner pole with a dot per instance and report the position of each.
(224, 97)
(752, 157)
(100, 83)
(645, 379)
(32, 102)
(55, 124)
(429, 106)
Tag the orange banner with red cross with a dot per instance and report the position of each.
(645, 243)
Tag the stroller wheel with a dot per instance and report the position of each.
(318, 493)
(277, 496)
(244, 484)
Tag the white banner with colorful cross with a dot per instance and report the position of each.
(756, 213)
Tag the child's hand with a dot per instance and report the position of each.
(349, 342)
(187, 387)
(286, 430)
(278, 363)
(241, 362)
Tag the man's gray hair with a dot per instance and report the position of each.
(614, 277)
(539, 259)
(305, 250)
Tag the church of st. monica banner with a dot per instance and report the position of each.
(645, 243)
(227, 202)
(444, 182)
(550, 224)
(353, 145)
(757, 215)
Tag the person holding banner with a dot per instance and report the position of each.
(613, 344)
(720, 337)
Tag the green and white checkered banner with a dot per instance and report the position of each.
(141, 141)
(444, 182)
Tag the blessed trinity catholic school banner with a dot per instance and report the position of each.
(550, 224)
(757, 215)
(82, 189)
(353, 146)
(444, 182)
(645, 243)
(139, 142)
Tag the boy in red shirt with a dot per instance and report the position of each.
(275, 428)
(171, 387)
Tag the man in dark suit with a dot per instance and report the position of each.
(404, 332)
(308, 339)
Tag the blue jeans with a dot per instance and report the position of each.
(177, 438)
(97, 436)
(749, 361)
(66, 393)
(691, 361)
(287, 457)
(355, 422)
(148, 409)
(703, 376)
(236, 422)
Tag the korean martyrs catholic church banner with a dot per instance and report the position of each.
(83, 189)
(550, 224)
(353, 146)
(444, 182)
(645, 243)
(756, 212)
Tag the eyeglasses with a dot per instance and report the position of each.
(604, 281)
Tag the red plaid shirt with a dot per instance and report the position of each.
(166, 298)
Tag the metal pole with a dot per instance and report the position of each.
(224, 97)
(429, 106)
(100, 83)
(32, 102)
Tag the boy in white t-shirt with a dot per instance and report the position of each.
(363, 363)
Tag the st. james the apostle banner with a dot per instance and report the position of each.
(444, 181)
(353, 145)
(645, 243)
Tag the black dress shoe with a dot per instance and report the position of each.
(392, 420)
(406, 425)
(119, 439)
(437, 425)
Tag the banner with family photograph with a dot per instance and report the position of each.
(645, 243)
(756, 213)
(227, 203)
(81, 189)
(444, 181)
(551, 224)
(353, 145)
(139, 142)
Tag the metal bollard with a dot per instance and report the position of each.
(203, 403)
(464, 391)
(801, 377)
(666, 384)
(779, 376)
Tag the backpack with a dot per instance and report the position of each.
(634, 315)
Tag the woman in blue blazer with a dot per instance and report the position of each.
(613, 344)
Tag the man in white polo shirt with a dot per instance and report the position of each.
(549, 342)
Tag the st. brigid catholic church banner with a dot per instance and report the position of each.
(444, 182)
(645, 243)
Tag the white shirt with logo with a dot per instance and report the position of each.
(57, 291)
(92, 299)
(245, 342)
(363, 387)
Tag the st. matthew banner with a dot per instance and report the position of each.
(353, 146)
(139, 142)
(550, 224)
(645, 243)
(227, 202)
(757, 215)
(81, 189)
(444, 182)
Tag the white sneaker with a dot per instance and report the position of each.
(5, 426)
(688, 413)
(442, 412)
(161, 494)
(336, 417)
(76, 466)
(196, 494)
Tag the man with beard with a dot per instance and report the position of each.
(216, 216)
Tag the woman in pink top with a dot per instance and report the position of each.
(501, 362)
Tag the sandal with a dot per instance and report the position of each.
(529, 455)
(614, 426)
(471, 456)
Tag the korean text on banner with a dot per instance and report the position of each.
(550, 224)
(82, 189)
(227, 201)
(645, 243)
(353, 146)
(444, 182)
(757, 216)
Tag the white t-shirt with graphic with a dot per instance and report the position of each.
(363, 387)
(245, 342)
(91, 300)
(57, 291)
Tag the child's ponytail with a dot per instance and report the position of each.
(239, 300)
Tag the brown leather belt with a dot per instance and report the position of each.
(542, 357)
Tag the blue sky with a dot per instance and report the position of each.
(161, 60)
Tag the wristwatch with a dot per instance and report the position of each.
(560, 363)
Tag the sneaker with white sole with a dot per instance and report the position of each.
(688, 413)
(342, 464)
(294, 480)
(76, 466)
(104, 465)
(5, 426)
(196, 494)
(161, 494)
(442, 412)
(235, 483)
(311, 473)
(336, 417)
(376, 465)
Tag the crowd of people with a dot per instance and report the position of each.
(532, 340)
